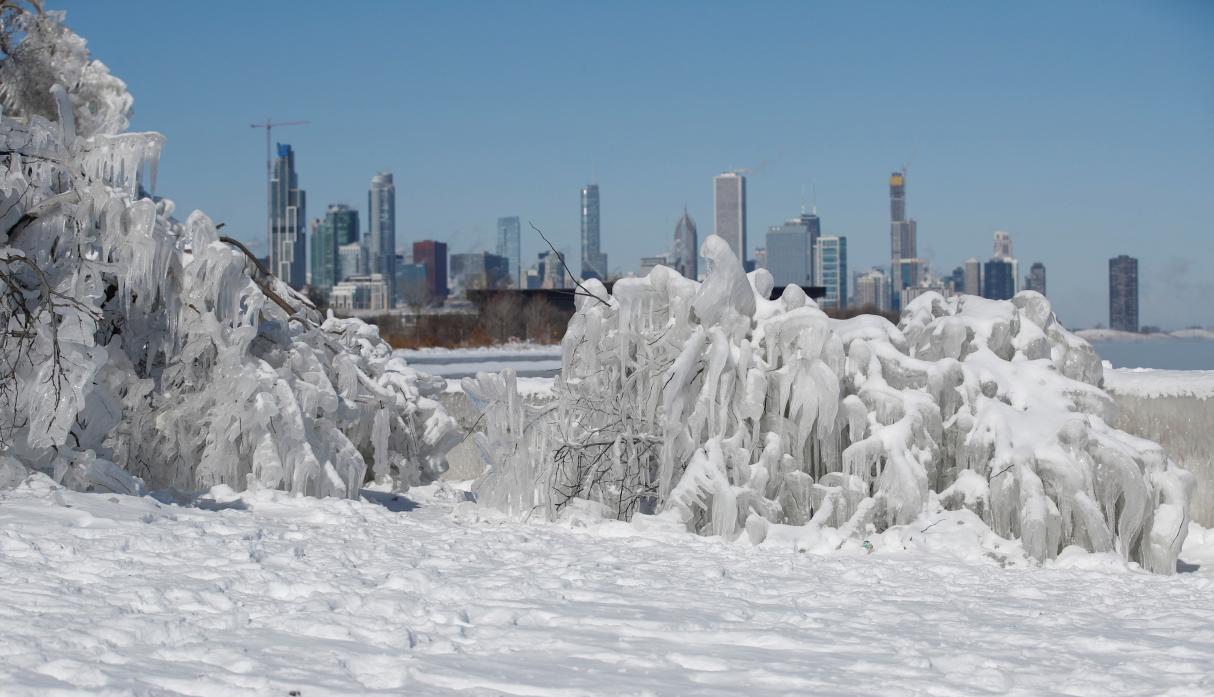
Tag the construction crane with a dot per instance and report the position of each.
(270, 125)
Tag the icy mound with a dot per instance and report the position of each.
(135, 347)
(709, 403)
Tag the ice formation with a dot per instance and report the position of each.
(137, 350)
(730, 412)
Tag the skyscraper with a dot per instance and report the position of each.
(433, 255)
(685, 254)
(973, 277)
(1036, 278)
(872, 289)
(903, 237)
(594, 261)
(729, 206)
(831, 273)
(339, 227)
(510, 246)
(813, 225)
(1003, 252)
(788, 254)
(288, 221)
(999, 280)
(381, 230)
(1123, 293)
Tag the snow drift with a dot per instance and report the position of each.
(136, 349)
(711, 404)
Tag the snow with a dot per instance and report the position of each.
(1149, 382)
(527, 386)
(713, 406)
(261, 593)
(1103, 335)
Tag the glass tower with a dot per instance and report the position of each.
(288, 221)
(594, 261)
(381, 230)
(729, 205)
(508, 245)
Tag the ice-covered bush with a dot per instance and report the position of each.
(709, 403)
(136, 349)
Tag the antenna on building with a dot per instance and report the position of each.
(813, 187)
(270, 125)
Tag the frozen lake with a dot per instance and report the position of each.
(1170, 354)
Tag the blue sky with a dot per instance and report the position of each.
(1085, 129)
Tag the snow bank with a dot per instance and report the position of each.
(1101, 335)
(262, 593)
(137, 350)
(1150, 382)
(713, 406)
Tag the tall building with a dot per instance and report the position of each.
(813, 226)
(288, 221)
(872, 290)
(999, 280)
(1123, 293)
(729, 207)
(339, 227)
(479, 271)
(649, 263)
(788, 254)
(1003, 251)
(381, 229)
(594, 261)
(903, 237)
(351, 260)
(368, 292)
(905, 273)
(433, 256)
(831, 256)
(411, 279)
(684, 256)
(509, 245)
(1036, 278)
(973, 277)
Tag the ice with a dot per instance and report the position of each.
(140, 351)
(712, 405)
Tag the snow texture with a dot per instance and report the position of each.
(1151, 382)
(140, 351)
(713, 406)
(263, 593)
(1102, 335)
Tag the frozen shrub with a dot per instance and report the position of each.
(710, 404)
(140, 350)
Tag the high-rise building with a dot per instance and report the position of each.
(788, 254)
(872, 290)
(955, 283)
(594, 261)
(1003, 252)
(831, 273)
(433, 256)
(903, 238)
(999, 279)
(339, 227)
(288, 221)
(369, 292)
(509, 245)
(411, 279)
(973, 277)
(351, 260)
(1036, 278)
(729, 206)
(649, 263)
(905, 273)
(479, 271)
(813, 226)
(381, 229)
(1123, 293)
(684, 256)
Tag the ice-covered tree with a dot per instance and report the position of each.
(711, 404)
(137, 349)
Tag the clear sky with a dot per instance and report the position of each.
(1085, 129)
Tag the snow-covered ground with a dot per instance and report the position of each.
(1103, 335)
(527, 360)
(1149, 382)
(268, 594)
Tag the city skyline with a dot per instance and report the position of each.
(982, 154)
